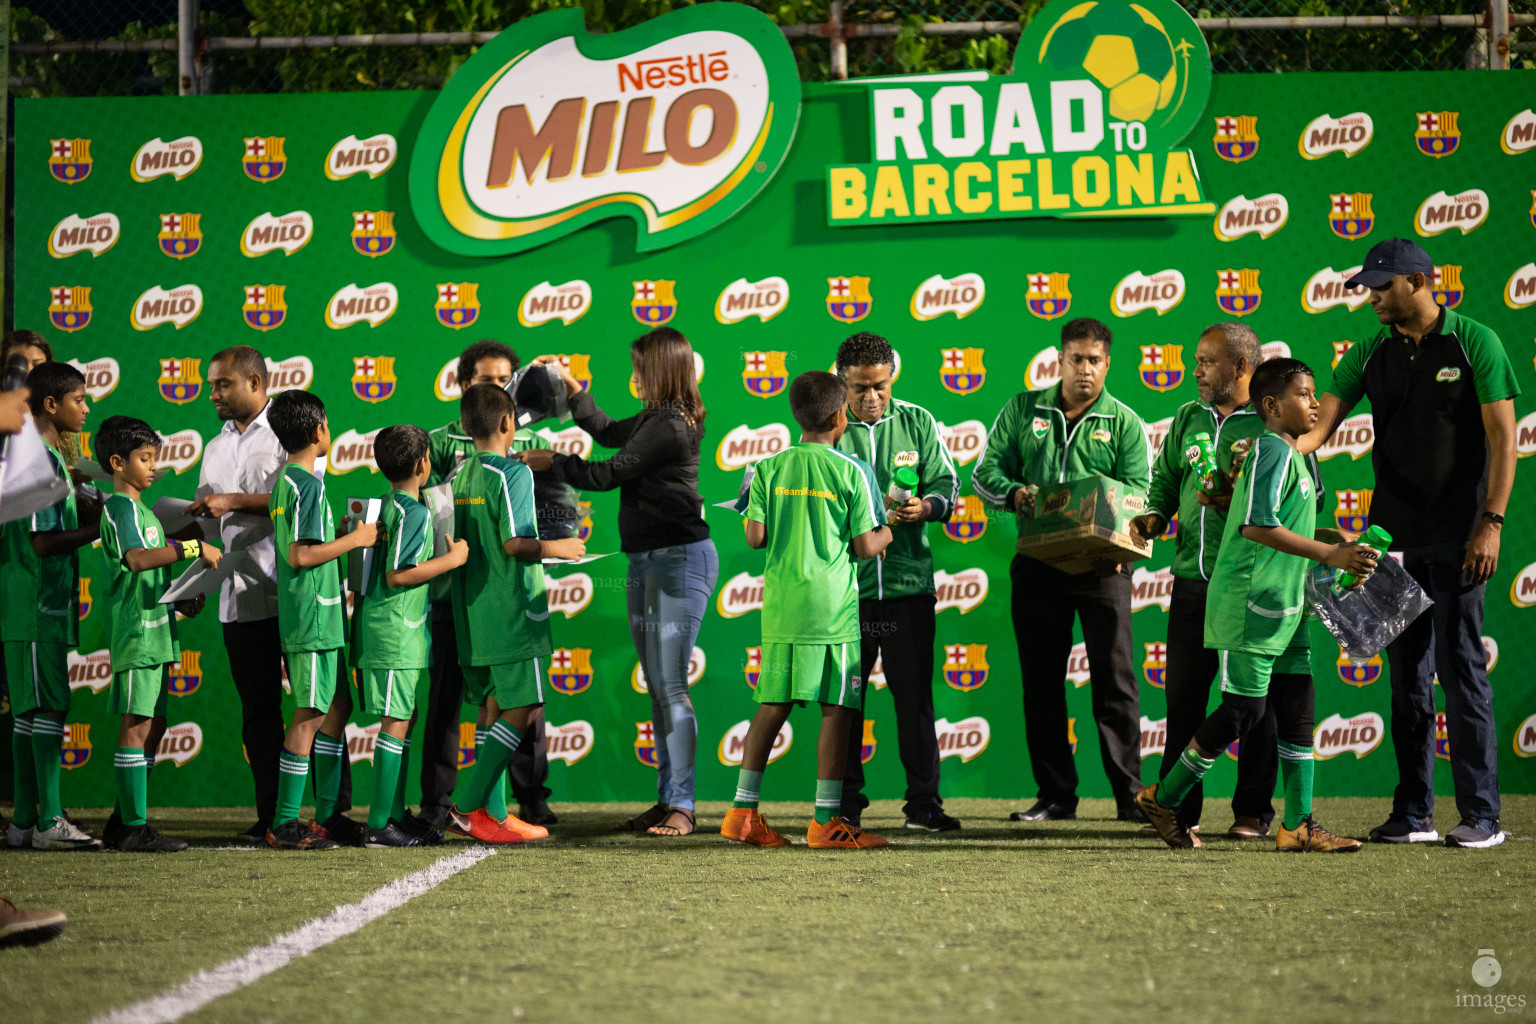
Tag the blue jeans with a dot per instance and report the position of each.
(668, 590)
(1446, 639)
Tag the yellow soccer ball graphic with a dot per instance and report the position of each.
(1123, 47)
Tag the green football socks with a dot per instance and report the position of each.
(749, 786)
(1186, 771)
(397, 806)
(388, 754)
(47, 746)
(24, 815)
(292, 773)
(132, 785)
(327, 756)
(829, 798)
(1296, 766)
(496, 802)
(501, 742)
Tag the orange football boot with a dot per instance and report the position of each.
(839, 834)
(745, 825)
(512, 823)
(480, 825)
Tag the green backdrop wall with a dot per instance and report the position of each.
(601, 731)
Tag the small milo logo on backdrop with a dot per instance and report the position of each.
(1084, 126)
(675, 124)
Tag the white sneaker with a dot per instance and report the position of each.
(63, 836)
(17, 837)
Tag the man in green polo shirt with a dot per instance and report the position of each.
(896, 598)
(1072, 429)
(1442, 395)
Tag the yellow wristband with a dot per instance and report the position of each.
(190, 549)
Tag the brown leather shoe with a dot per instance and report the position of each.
(28, 927)
(1168, 826)
(1247, 827)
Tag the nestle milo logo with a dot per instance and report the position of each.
(676, 124)
(1056, 503)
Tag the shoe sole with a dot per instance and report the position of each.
(65, 846)
(930, 828)
(33, 935)
(1020, 816)
(1481, 844)
(1412, 837)
(1247, 836)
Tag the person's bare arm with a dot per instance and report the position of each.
(302, 555)
(456, 555)
(62, 542)
(1329, 416)
(868, 545)
(145, 559)
(1350, 557)
(531, 549)
(757, 533)
(1482, 558)
(216, 506)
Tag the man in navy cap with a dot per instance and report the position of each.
(1442, 394)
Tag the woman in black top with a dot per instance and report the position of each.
(672, 562)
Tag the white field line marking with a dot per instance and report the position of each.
(206, 986)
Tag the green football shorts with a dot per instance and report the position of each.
(312, 676)
(390, 692)
(38, 676)
(140, 691)
(1247, 674)
(825, 673)
(514, 684)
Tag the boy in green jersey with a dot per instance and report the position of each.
(391, 641)
(39, 619)
(500, 613)
(144, 641)
(1257, 626)
(309, 618)
(811, 507)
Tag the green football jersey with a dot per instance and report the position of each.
(1257, 594)
(390, 627)
(143, 629)
(41, 594)
(813, 500)
(500, 612)
(309, 616)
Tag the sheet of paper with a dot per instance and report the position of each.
(28, 483)
(198, 579)
(583, 560)
(172, 513)
(439, 501)
(360, 560)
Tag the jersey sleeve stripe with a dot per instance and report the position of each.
(981, 457)
(867, 478)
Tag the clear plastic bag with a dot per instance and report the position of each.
(1366, 618)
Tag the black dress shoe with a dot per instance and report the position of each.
(256, 835)
(537, 813)
(1130, 812)
(1045, 811)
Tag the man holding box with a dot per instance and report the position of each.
(1070, 430)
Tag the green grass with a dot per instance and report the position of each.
(1075, 920)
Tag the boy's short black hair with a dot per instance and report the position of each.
(1086, 328)
(1272, 378)
(487, 348)
(24, 338)
(814, 398)
(122, 436)
(294, 416)
(398, 449)
(864, 349)
(482, 407)
(52, 380)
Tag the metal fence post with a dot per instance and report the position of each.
(1498, 35)
(186, 47)
(838, 41)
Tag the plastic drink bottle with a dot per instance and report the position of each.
(1375, 538)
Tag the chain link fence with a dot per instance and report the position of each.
(129, 47)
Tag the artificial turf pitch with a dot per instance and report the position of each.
(1077, 920)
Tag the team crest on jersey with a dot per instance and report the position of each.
(1354, 510)
(578, 365)
(458, 304)
(372, 156)
(965, 666)
(570, 669)
(373, 232)
(264, 308)
(1447, 287)
(373, 377)
(1048, 296)
(848, 299)
(753, 666)
(968, 521)
(181, 234)
(1350, 215)
(180, 380)
(264, 159)
(84, 604)
(1154, 666)
(765, 374)
(187, 674)
(1236, 138)
(655, 302)
(645, 744)
(1162, 366)
(466, 745)
(1437, 134)
(69, 160)
(1238, 291)
(1358, 675)
(69, 307)
(157, 158)
(962, 371)
(76, 752)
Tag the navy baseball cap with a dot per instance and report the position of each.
(1388, 259)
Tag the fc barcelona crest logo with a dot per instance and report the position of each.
(570, 670)
(1358, 675)
(373, 377)
(1533, 207)
(1349, 214)
(181, 234)
(867, 750)
(1048, 296)
(1437, 134)
(69, 307)
(187, 674)
(965, 666)
(373, 232)
(1162, 366)
(579, 365)
(753, 666)
(765, 374)
(1442, 737)
(1447, 287)
(968, 521)
(962, 371)
(457, 305)
(848, 299)
(1238, 291)
(180, 380)
(466, 745)
(1155, 664)
(1354, 511)
(655, 302)
(264, 160)
(645, 744)
(76, 752)
(264, 308)
(69, 160)
(1237, 138)
(85, 597)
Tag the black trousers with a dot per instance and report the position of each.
(903, 629)
(255, 664)
(440, 732)
(1044, 602)
(1187, 683)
